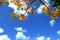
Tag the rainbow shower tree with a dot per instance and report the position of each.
(23, 8)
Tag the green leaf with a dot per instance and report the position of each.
(31, 12)
(6, 3)
(1, 3)
(13, 16)
(53, 0)
(31, 1)
(55, 5)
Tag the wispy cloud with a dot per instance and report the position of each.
(52, 22)
(1, 30)
(58, 38)
(20, 29)
(48, 38)
(58, 32)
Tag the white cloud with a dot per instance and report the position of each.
(4, 37)
(43, 38)
(1, 30)
(20, 29)
(52, 22)
(48, 38)
(46, 1)
(39, 10)
(58, 32)
(21, 36)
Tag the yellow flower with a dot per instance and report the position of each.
(22, 17)
(1, 0)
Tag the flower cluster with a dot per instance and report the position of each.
(22, 9)
(53, 14)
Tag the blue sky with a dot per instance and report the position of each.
(33, 28)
